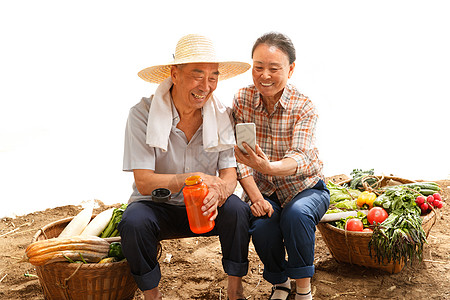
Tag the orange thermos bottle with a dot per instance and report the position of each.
(194, 192)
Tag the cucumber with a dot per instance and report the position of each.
(427, 192)
(424, 185)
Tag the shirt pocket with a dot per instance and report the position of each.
(198, 160)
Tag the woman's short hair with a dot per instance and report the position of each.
(279, 40)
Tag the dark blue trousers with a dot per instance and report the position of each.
(290, 229)
(145, 223)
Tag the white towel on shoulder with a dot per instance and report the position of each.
(218, 134)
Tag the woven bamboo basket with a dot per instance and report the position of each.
(73, 281)
(353, 247)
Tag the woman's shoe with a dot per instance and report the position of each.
(282, 293)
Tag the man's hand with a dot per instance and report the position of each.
(217, 194)
(210, 205)
(261, 208)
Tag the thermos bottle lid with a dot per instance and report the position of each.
(161, 195)
(191, 180)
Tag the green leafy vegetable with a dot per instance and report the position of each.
(341, 223)
(357, 178)
(347, 205)
(399, 238)
(111, 229)
(398, 198)
(339, 193)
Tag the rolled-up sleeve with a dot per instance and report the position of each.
(137, 154)
(226, 159)
(303, 150)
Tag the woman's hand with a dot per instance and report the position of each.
(260, 162)
(256, 160)
(261, 208)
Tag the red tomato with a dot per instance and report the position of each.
(354, 225)
(367, 230)
(377, 215)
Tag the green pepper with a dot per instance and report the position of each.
(115, 250)
(378, 203)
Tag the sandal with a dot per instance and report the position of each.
(280, 288)
(305, 296)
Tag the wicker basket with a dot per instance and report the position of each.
(382, 180)
(83, 281)
(353, 247)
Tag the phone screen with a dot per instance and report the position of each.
(246, 132)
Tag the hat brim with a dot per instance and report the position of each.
(228, 69)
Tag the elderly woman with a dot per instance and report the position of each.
(283, 177)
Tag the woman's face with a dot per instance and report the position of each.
(271, 71)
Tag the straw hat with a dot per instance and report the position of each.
(194, 48)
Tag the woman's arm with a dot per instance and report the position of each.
(260, 162)
(260, 206)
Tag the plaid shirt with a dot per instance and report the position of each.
(287, 132)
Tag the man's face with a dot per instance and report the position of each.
(194, 83)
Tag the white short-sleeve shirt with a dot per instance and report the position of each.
(181, 156)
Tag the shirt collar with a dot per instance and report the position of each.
(283, 101)
(175, 116)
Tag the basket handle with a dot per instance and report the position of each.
(64, 284)
(346, 243)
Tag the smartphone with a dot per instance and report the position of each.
(246, 132)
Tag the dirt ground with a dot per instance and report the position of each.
(194, 270)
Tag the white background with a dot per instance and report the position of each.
(378, 73)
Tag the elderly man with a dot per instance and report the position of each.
(180, 131)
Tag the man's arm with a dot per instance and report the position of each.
(147, 180)
(220, 187)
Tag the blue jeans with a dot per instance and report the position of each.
(290, 229)
(145, 223)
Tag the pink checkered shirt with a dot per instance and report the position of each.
(289, 131)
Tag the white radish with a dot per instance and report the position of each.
(78, 223)
(99, 223)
